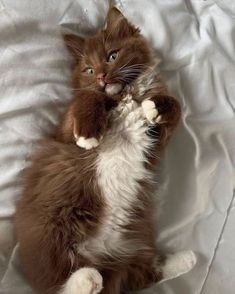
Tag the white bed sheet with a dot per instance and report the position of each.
(196, 40)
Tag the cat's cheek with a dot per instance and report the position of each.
(113, 89)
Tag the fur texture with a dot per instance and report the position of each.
(85, 219)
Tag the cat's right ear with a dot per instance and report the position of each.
(75, 45)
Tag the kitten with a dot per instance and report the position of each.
(85, 219)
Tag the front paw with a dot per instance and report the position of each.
(86, 143)
(88, 136)
(162, 109)
(150, 111)
(88, 133)
(90, 119)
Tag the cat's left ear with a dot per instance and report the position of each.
(75, 45)
(118, 26)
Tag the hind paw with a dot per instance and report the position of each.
(84, 281)
(178, 264)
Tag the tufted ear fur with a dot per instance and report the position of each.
(118, 26)
(75, 44)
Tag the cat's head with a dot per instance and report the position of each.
(112, 58)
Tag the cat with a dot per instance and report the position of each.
(85, 221)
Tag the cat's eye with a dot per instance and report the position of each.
(89, 71)
(112, 56)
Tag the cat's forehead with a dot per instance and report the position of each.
(95, 48)
(98, 46)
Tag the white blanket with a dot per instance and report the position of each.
(195, 39)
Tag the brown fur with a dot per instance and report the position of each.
(61, 204)
(79, 112)
(93, 51)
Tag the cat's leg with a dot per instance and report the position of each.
(176, 264)
(112, 281)
(162, 269)
(85, 120)
(84, 281)
(163, 114)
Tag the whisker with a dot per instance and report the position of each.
(130, 68)
(130, 72)
(124, 65)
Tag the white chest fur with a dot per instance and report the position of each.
(120, 166)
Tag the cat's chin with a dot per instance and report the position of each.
(113, 89)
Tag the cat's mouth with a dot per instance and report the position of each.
(113, 88)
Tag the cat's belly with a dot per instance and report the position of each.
(120, 167)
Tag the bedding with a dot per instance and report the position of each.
(195, 40)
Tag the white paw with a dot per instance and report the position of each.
(178, 264)
(84, 281)
(151, 112)
(86, 143)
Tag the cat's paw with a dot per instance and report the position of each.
(89, 118)
(86, 143)
(178, 264)
(84, 281)
(90, 281)
(150, 111)
(162, 109)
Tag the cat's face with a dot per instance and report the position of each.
(114, 57)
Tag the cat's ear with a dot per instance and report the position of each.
(117, 25)
(75, 45)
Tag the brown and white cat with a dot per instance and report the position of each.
(85, 219)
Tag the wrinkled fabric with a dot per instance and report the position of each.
(195, 40)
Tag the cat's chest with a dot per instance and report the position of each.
(120, 168)
(121, 160)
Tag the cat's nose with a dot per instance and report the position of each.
(101, 76)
